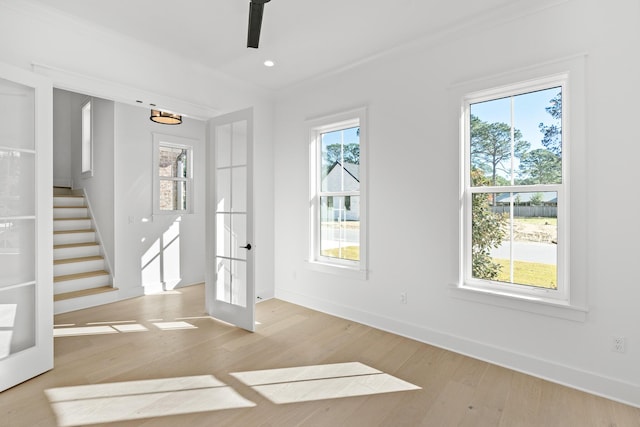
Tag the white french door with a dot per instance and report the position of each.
(26, 237)
(229, 280)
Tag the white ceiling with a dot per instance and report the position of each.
(305, 38)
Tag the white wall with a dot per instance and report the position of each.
(98, 187)
(263, 200)
(414, 109)
(61, 138)
(141, 237)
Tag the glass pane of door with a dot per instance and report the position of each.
(17, 218)
(26, 300)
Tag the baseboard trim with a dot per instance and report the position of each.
(599, 385)
(130, 293)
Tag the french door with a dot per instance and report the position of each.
(26, 237)
(229, 280)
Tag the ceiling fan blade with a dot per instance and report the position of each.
(256, 7)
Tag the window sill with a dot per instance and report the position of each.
(529, 304)
(339, 270)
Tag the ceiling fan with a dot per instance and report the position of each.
(256, 7)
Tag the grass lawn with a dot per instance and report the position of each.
(529, 273)
(348, 252)
(536, 220)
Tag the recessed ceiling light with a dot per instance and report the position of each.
(269, 63)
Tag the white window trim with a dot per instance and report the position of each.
(175, 142)
(86, 173)
(572, 305)
(317, 126)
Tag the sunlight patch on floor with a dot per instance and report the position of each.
(100, 328)
(132, 400)
(83, 330)
(130, 328)
(306, 383)
(166, 326)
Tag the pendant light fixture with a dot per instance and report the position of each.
(165, 117)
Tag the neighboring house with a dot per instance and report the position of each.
(342, 177)
(548, 198)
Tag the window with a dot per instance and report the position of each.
(87, 139)
(337, 178)
(173, 174)
(515, 199)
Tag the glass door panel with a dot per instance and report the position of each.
(26, 294)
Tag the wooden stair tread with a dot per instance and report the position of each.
(88, 230)
(79, 276)
(83, 293)
(68, 195)
(75, 245)
(79, 259)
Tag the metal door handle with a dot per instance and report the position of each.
(248, 247)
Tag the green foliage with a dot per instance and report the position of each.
(536, 199)
(333, 154)
(552, 134)
(540, 166)
(491, 147)
(487, 231)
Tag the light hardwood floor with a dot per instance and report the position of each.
(160, 361)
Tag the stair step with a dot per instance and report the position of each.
(70, 212)
(77, 276)
(79, 259)
(83, 293)
(76, 250)
(74, 245)
(73, 219)
(62, 237)
(88, 230)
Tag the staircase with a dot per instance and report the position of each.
(81, 278)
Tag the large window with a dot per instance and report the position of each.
(173, 174)
(515, 190)
(337, 191)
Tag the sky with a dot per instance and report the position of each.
(350, 136)
(529, 111)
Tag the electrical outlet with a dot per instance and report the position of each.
(403, 297)
(619, 344)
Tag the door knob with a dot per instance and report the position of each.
(248, 247)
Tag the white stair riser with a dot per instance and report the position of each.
(80, 284)
(81, 251)
(69, 213)
(67, 305)
(78, 267)
(68, 201)
(68, 238)
(77, 224)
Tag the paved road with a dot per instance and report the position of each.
(545, 253)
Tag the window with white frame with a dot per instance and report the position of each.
(173, 174)
(87, 139)
(515, 188)
(337, 178)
